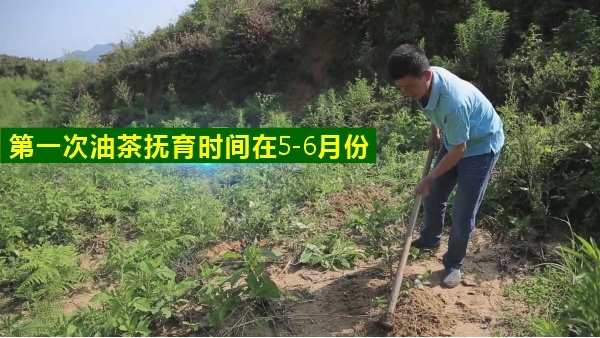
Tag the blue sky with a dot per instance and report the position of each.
(43, 29)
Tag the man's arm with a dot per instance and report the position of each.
(450, 160)
(433, 141)
(456, 129)
(434, 130)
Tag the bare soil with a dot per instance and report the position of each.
(318, 302)
(344, 201)
(219, 249)
(80, 297)
(351, 302)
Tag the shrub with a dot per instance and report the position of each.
(481, 37)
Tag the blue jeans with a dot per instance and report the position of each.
(472, 175)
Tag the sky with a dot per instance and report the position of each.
(46, 29)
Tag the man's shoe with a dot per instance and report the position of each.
(452, 278)
(422, 245)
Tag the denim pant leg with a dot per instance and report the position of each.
(434, 205)
(473, 177)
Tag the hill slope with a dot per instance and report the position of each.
(91, 55)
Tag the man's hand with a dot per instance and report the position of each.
(434, 141)
(423, 187)
(449, 161)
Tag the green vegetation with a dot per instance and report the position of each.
(293, 63)
(563, 299)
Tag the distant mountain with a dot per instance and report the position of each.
(91, 55)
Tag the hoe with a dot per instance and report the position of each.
(388, 320)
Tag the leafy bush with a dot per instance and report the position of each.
(248, 284)
(579, 35)
(146, 294)
(481, 37)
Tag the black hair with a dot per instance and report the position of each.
(407, 60)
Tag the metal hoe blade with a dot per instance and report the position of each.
(388, 321)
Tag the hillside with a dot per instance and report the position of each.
(223, 54)
(299, 249)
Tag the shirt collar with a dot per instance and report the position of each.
(435, 92)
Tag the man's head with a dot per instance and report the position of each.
(409, 69)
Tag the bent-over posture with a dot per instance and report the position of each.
(473, 137)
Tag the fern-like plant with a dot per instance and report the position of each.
(49, 270)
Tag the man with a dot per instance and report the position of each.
(472, 139)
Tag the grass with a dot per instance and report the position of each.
(562, 297)
(539, 292)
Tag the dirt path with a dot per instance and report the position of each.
(347, 303)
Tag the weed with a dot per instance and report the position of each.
(49, 271)
(581, 279)
(257, 286)
(332, 251)
(538, 291)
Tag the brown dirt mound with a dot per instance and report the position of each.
(351, 302)
(421, 314)
(216, 251)
(344, 202)
(348, 199)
